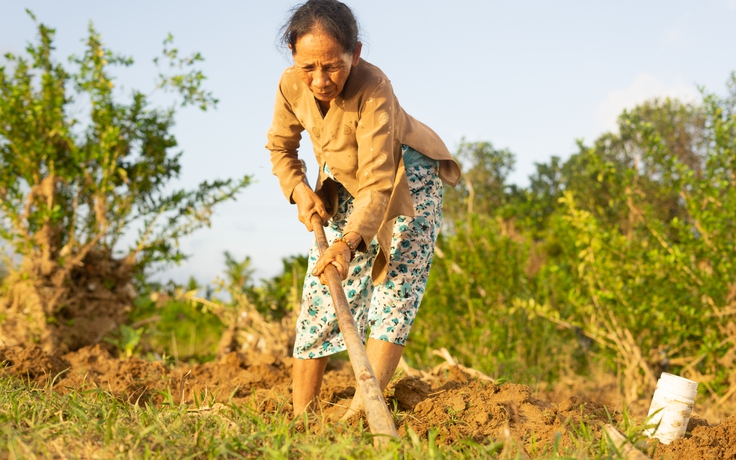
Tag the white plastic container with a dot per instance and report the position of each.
(671, 407)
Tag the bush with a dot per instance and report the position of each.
(622, 254)
(70, 187)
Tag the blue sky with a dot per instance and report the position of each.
(530, 76)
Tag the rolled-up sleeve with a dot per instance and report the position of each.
(283, 142)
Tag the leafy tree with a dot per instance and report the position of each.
(646, 231)
(72, 184)
(482, 189)
(597, 174)
(532, 207)
(626, 249)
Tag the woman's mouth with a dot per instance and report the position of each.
(323, 93)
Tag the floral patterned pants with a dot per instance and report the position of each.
(387, 310)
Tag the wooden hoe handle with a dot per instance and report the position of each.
(380, 420)
(622, 445)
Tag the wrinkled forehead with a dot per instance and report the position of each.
(319, 48)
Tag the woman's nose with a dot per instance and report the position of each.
(320, 79)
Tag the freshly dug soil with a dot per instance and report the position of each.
(458, 406)
(707, 442)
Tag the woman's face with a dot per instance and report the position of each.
(322, 65)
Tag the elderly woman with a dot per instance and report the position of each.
(379, 191)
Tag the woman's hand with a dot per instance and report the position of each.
(308, 203)
(338, 255)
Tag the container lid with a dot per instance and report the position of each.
(678, 385)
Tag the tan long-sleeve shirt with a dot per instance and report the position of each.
(360, 140)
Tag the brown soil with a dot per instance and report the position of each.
(65, 307)
(454, 404)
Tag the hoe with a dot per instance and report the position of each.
(380, 420)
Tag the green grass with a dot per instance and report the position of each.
(38, 422)
(176, 329)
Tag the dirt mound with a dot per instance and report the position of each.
(455, 404)
(466, 408)
(65, 307)
(706, 442)
(32, 362)
(138, 381)
(479, 411)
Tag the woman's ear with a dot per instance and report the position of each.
(356, 53)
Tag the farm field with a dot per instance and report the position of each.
(239, 406)
(553, 308)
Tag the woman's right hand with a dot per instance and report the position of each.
(308, 203)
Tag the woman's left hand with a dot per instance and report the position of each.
(337, 255)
